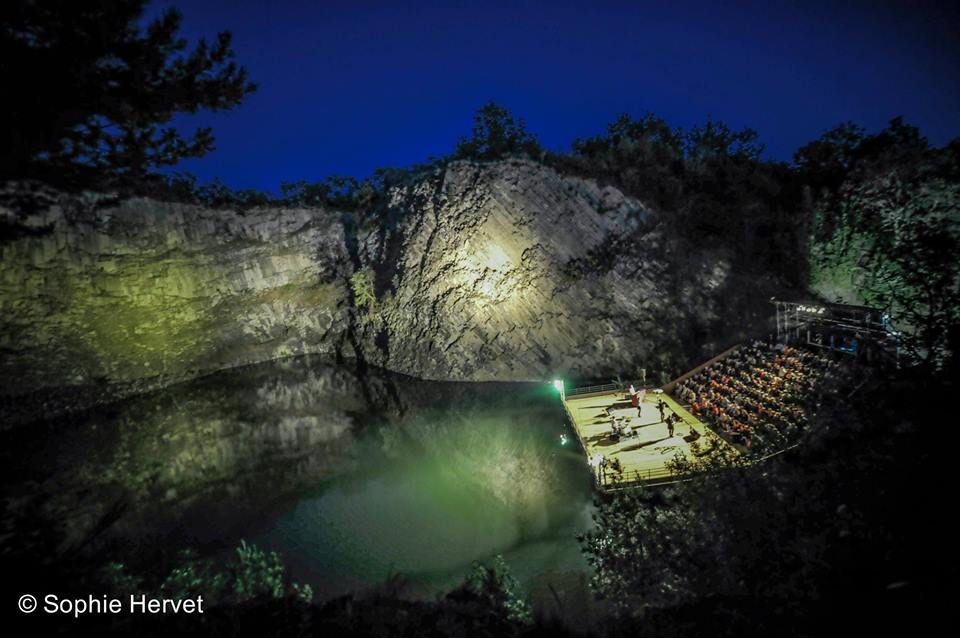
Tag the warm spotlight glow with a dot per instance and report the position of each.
(490, 270)
(497, 258)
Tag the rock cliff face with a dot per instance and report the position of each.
(492, 272)
(95, 292)
(480, 272)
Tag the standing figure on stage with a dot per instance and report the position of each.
(661, 406)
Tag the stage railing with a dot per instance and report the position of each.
(583, 446)
(631, 479)
(668, 387)
(608, 481)
(602, 478)
(606, 387)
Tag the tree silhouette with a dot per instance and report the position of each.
(87, 91)
(497, 135)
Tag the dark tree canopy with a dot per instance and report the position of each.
(87, 91)
(825, 161)
(717, 140)
(709, 180)
(497, 135)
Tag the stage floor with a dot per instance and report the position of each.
(643, 456)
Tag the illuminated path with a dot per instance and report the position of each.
(643, 456)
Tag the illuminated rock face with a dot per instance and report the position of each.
(143, 290)
(476, 280)
(481, 271)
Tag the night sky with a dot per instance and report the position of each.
(347, 87)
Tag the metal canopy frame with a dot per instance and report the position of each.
(870, 324)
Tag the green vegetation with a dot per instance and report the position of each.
(253, 574)
(500, 589)
(886, 230)
(251, 595)
(362, 284)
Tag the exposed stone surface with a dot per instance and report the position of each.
(99, 292)
(475, 280)
(481, 271)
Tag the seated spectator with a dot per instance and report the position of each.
(761, 392)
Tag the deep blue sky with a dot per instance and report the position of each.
(346, 87)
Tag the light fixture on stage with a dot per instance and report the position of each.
(558, 384)
(813, 310)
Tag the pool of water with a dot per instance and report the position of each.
(352, 478)
(479, 474)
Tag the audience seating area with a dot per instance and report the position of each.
(761, 395)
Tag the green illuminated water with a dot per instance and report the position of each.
(481, 474)
(352, 478)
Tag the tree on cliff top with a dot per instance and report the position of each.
(497, 135)
(87, 91)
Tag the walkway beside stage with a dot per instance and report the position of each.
(644, 455)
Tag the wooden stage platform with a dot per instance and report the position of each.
(643, 456)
